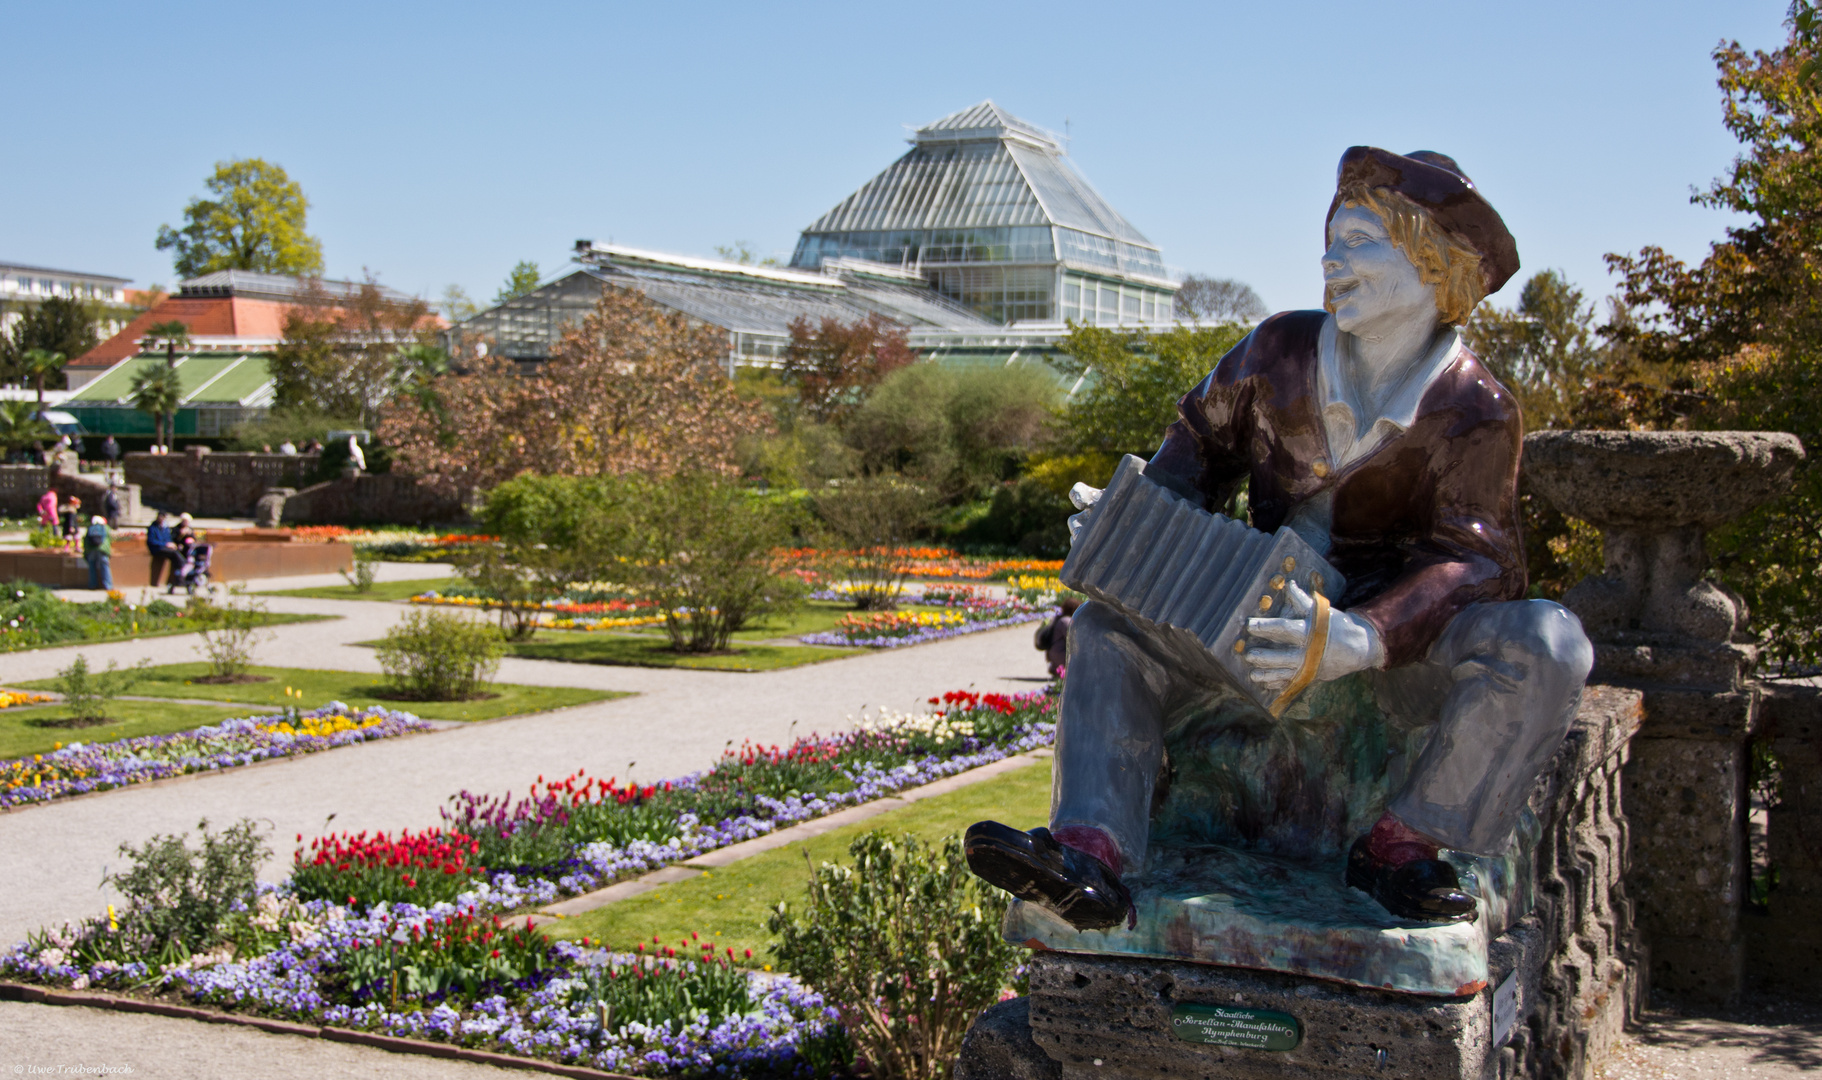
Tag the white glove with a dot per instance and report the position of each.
(1084, 498)
(1353, 645)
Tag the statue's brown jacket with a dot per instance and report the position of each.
(1422, 527)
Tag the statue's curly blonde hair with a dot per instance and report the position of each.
(1441, 260)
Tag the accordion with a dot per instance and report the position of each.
(1194, 578)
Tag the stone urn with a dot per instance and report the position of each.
(1654, 495)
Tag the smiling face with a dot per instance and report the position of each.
(1368, 282)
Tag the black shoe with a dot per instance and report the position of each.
(1421, 889)
(1033, 866)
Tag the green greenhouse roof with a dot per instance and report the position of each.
(207, 379)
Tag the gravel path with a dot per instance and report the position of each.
(55, 853)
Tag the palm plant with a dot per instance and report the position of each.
(40, 364)
(174, 334)
(20, 425)
(158, 391)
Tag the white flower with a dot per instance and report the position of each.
(52, 957)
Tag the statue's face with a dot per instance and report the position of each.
(1368, 283)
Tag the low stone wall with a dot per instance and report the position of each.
(22, 485)
(1573, 973)
(371, 498)
(214, 485)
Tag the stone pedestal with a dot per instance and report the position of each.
(1574, 965)
(1658, 624)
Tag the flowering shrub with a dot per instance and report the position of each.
(78, 769)
(422, 868)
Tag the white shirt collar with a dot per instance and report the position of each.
(1341, 414)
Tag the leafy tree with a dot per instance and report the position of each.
(255, 221)
(961, 429)
(157, 391)
(1545, 350)
(346, 355)
(522, 279)
(835, 364)
(1206, 299)
(870, 519)
(633, 388)
(1128, 384)
(457, 305)
(1736, 340)
(20, 425)
(59, 324)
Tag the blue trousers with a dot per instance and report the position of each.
(101, 573)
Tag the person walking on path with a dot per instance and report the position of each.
(110, 452)
(1053, 637)
(47, 509)
(98, 549)
(162, 546)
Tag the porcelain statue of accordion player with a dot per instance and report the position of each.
(1380, 461)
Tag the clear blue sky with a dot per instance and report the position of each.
(440, 143)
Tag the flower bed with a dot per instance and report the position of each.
(32, 616)
(13, 699)
(365, 935)
(566, 614)
(935, 563)
(964, 615)
(77, 769)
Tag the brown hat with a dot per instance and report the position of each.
(1434, 182)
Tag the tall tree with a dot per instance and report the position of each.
(834, 364)
(344, 355)
(1736, 340)
(1545, 349)
(157, 392)
(633, 388)
(255, 221)
(59, 324)
(522, 279)
(1208, 299)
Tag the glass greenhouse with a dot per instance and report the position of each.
(987, 208)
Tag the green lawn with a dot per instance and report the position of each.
(353, 688)
(27, 731)
(729, 906)
(382, 590)
(101, 635)
(646, 650)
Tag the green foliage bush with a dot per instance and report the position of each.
(906, 943)
(439, 656)
(1025, 515)
(867, 521)
(178, 897)
(230, 630)
(87, 693)
(961, 429)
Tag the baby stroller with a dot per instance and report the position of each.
(194, 573)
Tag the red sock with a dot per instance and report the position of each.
(1394, 843)
(1090, 841)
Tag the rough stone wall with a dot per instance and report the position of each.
(21, 486)
(1784, 942)
(1595, 975)
(214, 485)
(371, 498)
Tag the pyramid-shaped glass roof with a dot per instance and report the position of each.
(980, 185)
